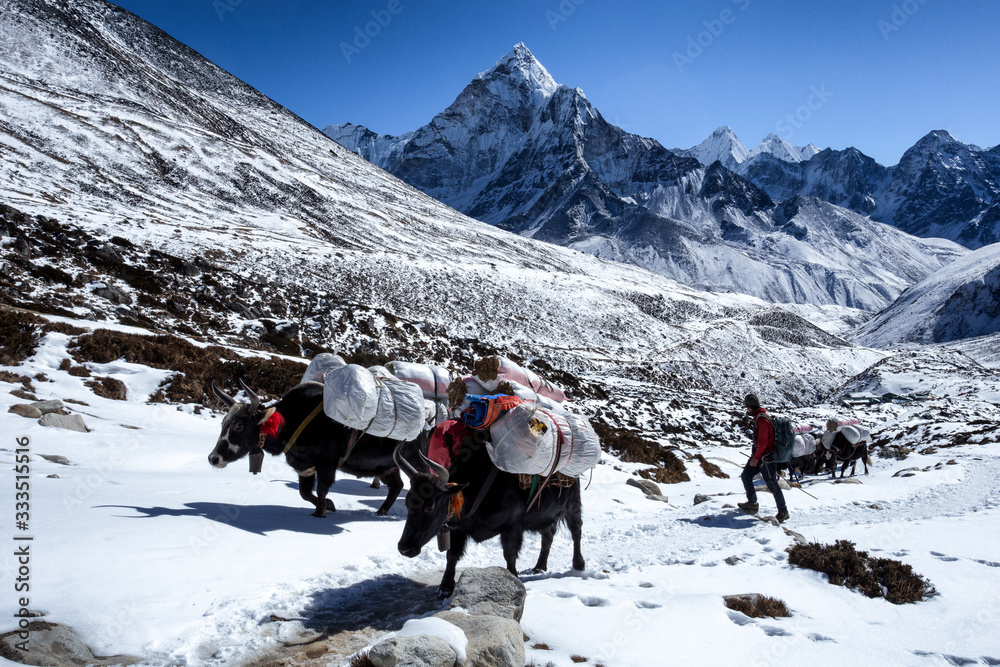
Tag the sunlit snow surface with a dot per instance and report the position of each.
(145, 549)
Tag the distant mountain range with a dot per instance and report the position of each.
(519, 151)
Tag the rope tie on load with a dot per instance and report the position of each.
(555, 463)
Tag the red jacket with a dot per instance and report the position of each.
(763, 434)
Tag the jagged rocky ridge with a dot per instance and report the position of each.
(519, 151)
(940, 188)
(145, 185)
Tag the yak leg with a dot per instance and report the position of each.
(395, 484)
(376, 483)
(324, 480)
(543, 556)
(455, 552)
(306, 492)
(511, 539)
(574, 521)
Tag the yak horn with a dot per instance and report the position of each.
(439, 470)
(254, 398)
(223, 396)
(404, 465)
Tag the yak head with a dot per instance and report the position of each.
(240, 428)
(427, 503)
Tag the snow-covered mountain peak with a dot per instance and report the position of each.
(723, 146)
(781, 149)
(520, 67)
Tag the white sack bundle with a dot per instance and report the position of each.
(321, 365)
(432, 380)
(805, 444)
(378, 405)
(525, 441)
(491, 371)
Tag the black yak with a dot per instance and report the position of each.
(492, 503)
(319, 450)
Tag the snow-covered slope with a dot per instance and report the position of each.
(212, 209)
(958, 302)
(146, 550)
(521, 152)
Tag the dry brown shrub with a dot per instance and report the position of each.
(196, 367)
(456, 393)
(108, 387)
(710, 468)
(631, 447)
(578, 658)
(14, 378)
(361, 660)
(875, 577)
(63, 328)
(487, 368)
(20, 333)
(759, 606)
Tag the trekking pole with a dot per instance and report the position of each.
(799, 487)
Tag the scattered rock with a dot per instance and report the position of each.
(700, 498)
(68, 422)
(46, 407)
(648, 487)
(847, 480)
(733, 560)
(56, 645)
(901, 473)
(799, 538)
(490, 591)
(783, 484)
(114, 295)
(493, 641)
(55, 458)
(25, 410)
(53, 476)
(413, 651)
(662, 499)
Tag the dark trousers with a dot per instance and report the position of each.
(769, 471)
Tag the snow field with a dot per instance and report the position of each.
(145, 549)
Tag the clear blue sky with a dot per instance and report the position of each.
(874, 75)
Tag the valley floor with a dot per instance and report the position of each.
(145, 549)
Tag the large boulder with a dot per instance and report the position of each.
(55, 645)
(29, 411)
(45, 407)
(413, 651)
(491, 591)
(68, 422)
(493, 641)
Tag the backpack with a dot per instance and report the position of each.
(784, 439)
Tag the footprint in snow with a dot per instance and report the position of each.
(988, 563)
(562, 594)
(944, 557)
(740, 618)
(642, 604)
(592, 601)
(774, 631)
(816, 637)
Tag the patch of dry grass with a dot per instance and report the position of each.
(875, 577)
(760, 606)
(631, 447)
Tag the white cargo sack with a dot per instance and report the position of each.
(510, 371)
(805, 444)
(381, 406)
(536, 399)
(525, 441)
(432, 380)
(321, 365)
